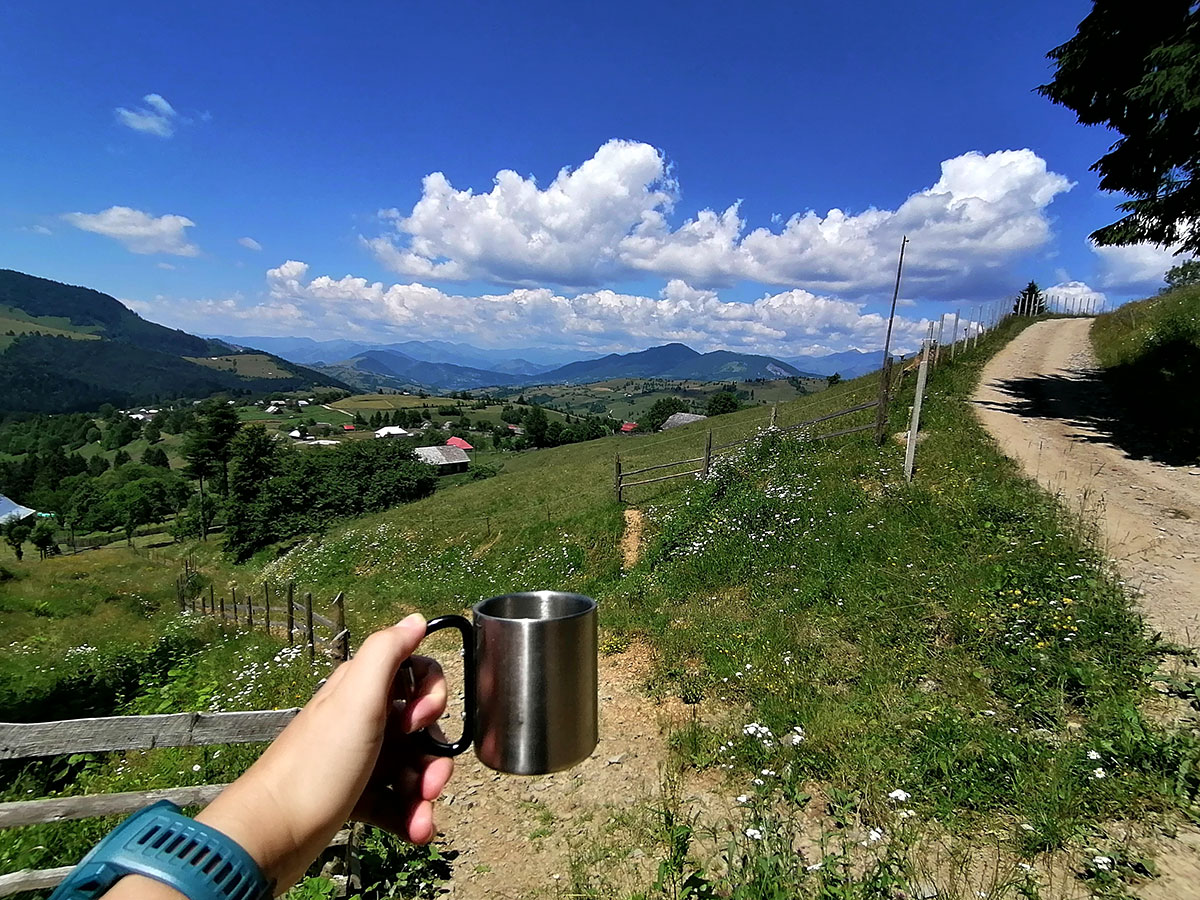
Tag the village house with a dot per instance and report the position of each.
(390, 431)
(681, 418)
(447, 460)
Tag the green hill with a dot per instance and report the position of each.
(1149, 353)
(65, 348)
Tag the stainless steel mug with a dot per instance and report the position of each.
(531, 686)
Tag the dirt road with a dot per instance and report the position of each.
(1040, 400)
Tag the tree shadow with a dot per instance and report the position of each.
(1149, 410)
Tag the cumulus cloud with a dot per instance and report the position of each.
(786, 323)
(1070, 296)
(250, 243)
(157, 117)
(611, 218)
(1134, 268)
(139, 231)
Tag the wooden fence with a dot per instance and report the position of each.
(280, 618)
(879, 425)
(117, 733)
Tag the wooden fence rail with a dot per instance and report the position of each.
(30, 740)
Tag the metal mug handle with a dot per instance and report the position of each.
(433, 746)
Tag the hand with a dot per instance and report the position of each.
(349, 753)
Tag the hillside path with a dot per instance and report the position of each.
(1041, 402)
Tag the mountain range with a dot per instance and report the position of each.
(848, 363)
(66, 348)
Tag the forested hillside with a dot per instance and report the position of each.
(69, 349)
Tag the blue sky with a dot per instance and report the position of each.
(705, 145)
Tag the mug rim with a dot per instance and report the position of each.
(589, 606)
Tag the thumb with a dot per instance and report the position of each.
(371, 673)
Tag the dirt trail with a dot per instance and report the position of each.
(631, 540)
(1040, 401)
(1148, 513)
(515, 836)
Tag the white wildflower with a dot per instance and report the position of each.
(1099, 773)
(899, 795)
(1103, 863)
(1092, 754)
(196, 768)
(754, 834)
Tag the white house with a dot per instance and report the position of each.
(11, 510)
(388, 431)
(681, 418)
(273, 409)
(295, 434)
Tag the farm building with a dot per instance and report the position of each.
(295, 433)
(681, 419)
(11, 511)
(273, 410)
(447, 460)
(389, 431)
(628, 427)
(459, 443)
(347, 428)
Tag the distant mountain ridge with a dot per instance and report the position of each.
(65, 348)
(673, 361)
(848, 363)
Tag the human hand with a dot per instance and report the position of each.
(350, 753)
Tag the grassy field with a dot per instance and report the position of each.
(15, 321)
(249, 365)
(628, 398)
(875, 667)
(366, 404)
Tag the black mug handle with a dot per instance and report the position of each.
(433, 746)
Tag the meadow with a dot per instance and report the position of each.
(890, 682)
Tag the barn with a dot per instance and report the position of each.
(447, 460)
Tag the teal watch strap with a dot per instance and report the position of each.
(160, 843)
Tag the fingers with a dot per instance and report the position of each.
(427, 701)
(370, 674)
(410, 819)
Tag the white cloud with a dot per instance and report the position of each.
(167, 266)
(786, 323)
(250, 243)
(139, 231)
(1070, 296)
(609, 219)
(1134, 268)
(157, 117)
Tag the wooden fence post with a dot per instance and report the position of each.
(222, 607)
(954, 343)
(881, 409)
(308, 626)
(235, 608)
(212, 606)
(267, 607)
(249, 609)
(291, 614)
(937, 348)
(910, 450)
(341, 638)
(707, 451)
(617, 481)
(774, 414)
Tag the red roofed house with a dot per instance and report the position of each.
(347, 428)
(628, 427)
(459, 443)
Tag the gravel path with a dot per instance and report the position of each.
(1040, 400)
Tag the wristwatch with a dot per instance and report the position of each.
(161, 843)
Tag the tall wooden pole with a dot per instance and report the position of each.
(291, 613)
(887, 341)
(267, 607)
(910, 450)
(308, 626)
(881, 408)
(341, 639)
